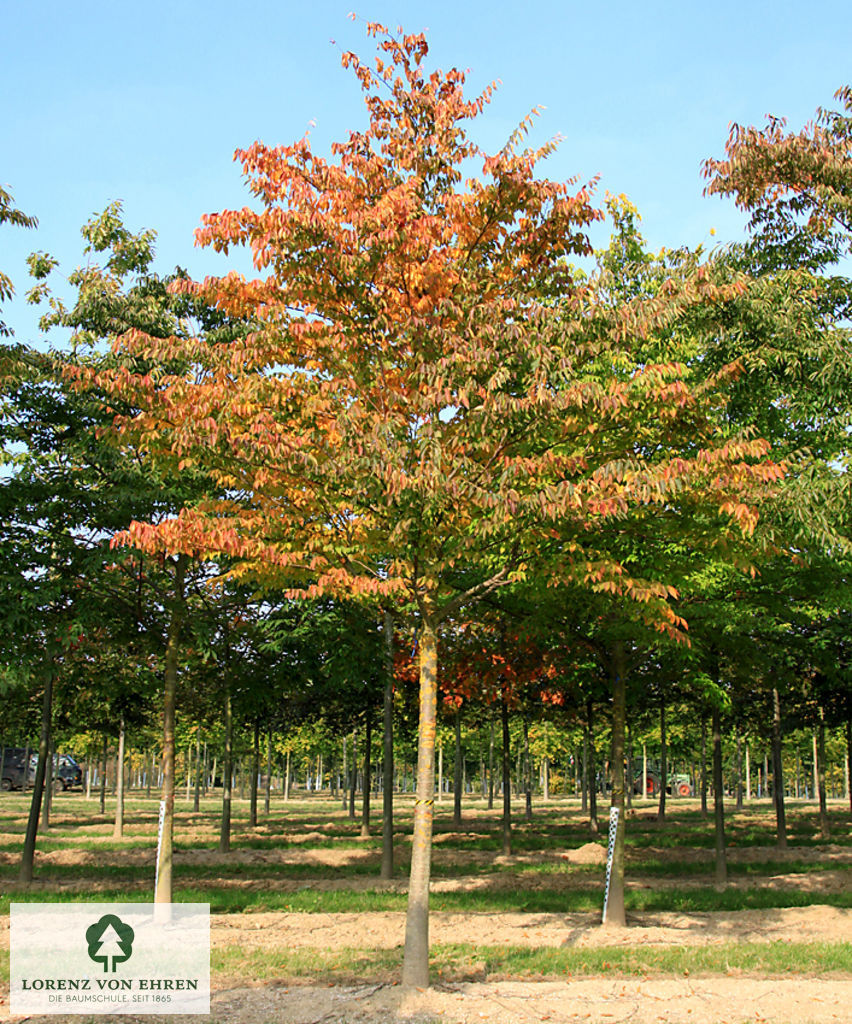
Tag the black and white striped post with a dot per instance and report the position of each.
(613, 831)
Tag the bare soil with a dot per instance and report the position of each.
(645, 1001)
(385, 930)
(733, 998)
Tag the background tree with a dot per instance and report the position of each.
(9, 214)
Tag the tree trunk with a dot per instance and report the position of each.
(387, 753)
(545, 775)
(824, 826)
(849, 760)
(628, 782)
(664, 763)
(593, 771)
(365, 799)
(353, 778)
(27, 857)
(227, 767)
(739, 767)
(816, 765)
(457, 771)
(415, 968)
(748, 772)
(703, 765)
(118, 828)
(163, 892)
(188, 769)
(778, 772)
(527, 772)
(798, 775)
(47, 795)
(718, 799)
(255, 771)
(287, 776)
(491, 762)
(584, 782)
(615, 917)
(199, 769)
(267, 796)
(344, 803)
(103, 775)
(507, 782)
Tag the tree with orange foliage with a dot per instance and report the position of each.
(412, 414)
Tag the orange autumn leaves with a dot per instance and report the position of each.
(421, 388)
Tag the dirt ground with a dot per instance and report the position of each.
(651, 1001)
(730, 999)
(385, 930)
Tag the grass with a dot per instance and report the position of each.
(678, 851)
(669, 868)
(484, 901)
(465, 962)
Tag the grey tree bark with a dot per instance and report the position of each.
(227, 767)
(824, 825)
(457, 771)
(255, 772)
(664, 762)
(118, 827)
(387, 752)
(163, 893)
(507, 781)
(778, 773)
(25, 873)
(721, 871)
(415, 967)
(367, 777)
(592, 770)
(615, 915)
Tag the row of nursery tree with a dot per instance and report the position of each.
(546, 761)
(440, 454)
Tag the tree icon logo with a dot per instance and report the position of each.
(110, 941)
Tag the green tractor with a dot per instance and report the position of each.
(679, 784)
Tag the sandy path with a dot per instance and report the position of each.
(713, 1000)
(386, 930)
(652, 1001)
(730, 999)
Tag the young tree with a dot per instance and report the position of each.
(104, 484)
(411, 412)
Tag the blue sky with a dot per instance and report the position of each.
(146, 103)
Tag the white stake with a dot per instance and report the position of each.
(613, 829)
(159, 843)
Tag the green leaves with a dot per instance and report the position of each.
(10, 214)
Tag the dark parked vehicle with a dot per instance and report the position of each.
(13, 768)
(67, 774)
